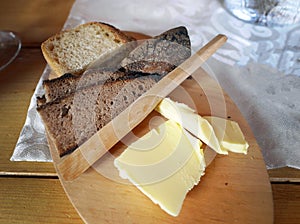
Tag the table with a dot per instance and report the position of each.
(30, 192)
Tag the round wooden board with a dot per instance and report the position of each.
(235, 188)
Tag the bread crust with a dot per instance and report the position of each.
(160, 54)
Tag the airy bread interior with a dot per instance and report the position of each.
(73, 50)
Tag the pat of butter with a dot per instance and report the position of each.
(166, 168)
(229, 134)
(191, 121)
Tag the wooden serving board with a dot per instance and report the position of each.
(235, 188)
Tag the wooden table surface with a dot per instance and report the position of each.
(30, 192)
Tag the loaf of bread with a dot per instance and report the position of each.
(71, 51)
(73, 119)
(161, 54)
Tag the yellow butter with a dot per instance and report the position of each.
(229, 134)
(165, 170)
(191, 121)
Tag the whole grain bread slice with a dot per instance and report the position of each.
(72, 120)
(69, 83)
(161, 54)
(71, 51)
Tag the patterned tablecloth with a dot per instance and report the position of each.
(259, 67)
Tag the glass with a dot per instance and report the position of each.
(10, 46)
(265, 12)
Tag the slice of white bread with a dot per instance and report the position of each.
(71, 51)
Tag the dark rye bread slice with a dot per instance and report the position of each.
(161, 54)
(69, 83)
(72, 120)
